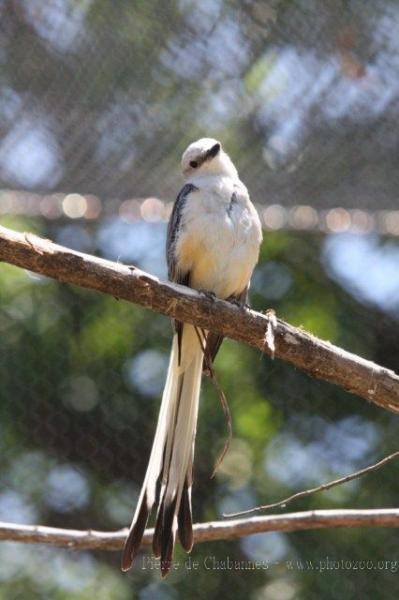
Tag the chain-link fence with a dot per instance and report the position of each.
(97, 101)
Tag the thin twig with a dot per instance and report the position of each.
(320, 488)
(229, 421)
(223, 402)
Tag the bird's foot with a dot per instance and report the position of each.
(209, 295)
(238, 303)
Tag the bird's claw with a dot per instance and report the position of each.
(209, 295)
(238, 303)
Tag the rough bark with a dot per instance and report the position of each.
(204, 532)
(315, 357)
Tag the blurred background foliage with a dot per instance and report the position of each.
(97, 101)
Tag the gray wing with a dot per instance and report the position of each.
(174, 228)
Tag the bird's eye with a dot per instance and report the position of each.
(193, 164)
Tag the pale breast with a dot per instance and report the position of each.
(219, 240)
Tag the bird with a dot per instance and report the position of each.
(213, 240)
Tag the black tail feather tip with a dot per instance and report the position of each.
(185, 521)
(135, 536)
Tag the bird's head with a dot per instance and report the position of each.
(206, 157)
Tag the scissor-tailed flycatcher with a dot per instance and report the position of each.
(214, 235)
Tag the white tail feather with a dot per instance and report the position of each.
(172, 452)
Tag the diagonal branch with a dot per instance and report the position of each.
(204, 532)
(315, 357)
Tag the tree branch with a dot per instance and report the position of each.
(315, 357)
(204, 532)
(320, 488)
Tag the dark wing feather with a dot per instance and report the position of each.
(174, 228)
(214, 340)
